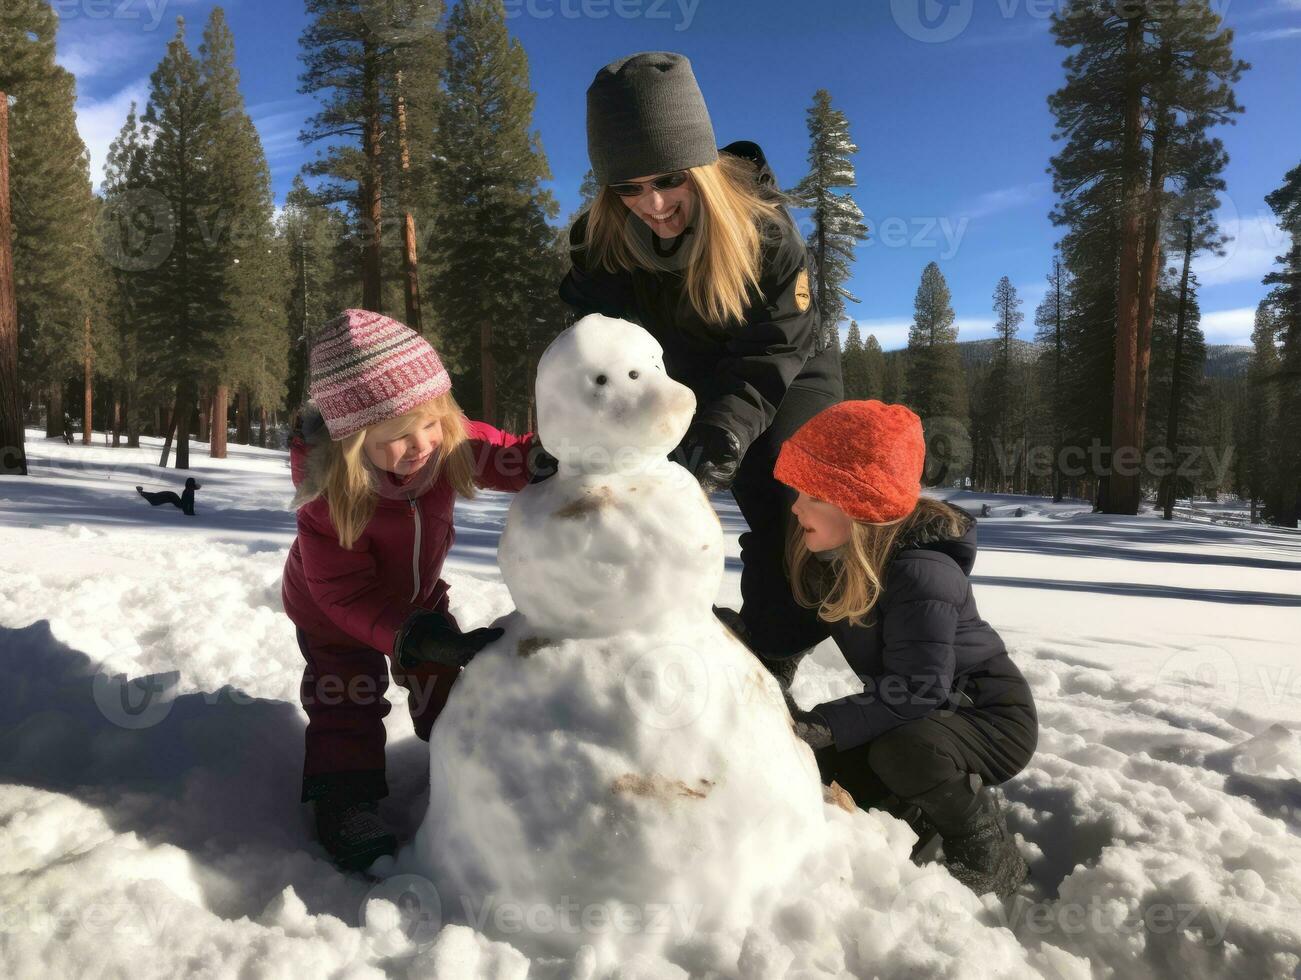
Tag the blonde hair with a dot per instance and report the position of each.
(340, 472)
(730, 219)
(849, 586)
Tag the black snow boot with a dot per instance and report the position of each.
(978, 848)
(352, 833)
(927, 847)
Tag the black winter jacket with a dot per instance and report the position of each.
(920, 640)
(739, 373)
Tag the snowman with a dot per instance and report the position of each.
(617, 771)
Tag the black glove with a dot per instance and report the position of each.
(542, 465)
(712, 454)
(428, 638)
(810, 727)
(782, 668)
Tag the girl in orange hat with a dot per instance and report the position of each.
(944, 713)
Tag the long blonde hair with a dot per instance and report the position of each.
(731, 217)
(341, 473)
(849, 586)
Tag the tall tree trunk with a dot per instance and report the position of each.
(1122, 488)
(243, 428)
(205, 409)
(170, 424)
(13, 452)
(262, 426)
(1057, 384)
(488, 372)
(411, 279)
(1150, 267)
(132, 416)
(220, 407)
(184, 423)
(116, 420)
(1170, 482)
(54, 409)
(371, 207)
(305, 328)
(87, 406)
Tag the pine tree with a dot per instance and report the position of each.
(1050, 319)
(496, 300)
(837, 220)
(1145, 82)
(374, 64)
(935, 385)
(1259, 413)
(1193, 229)
(854, 364)
(874, 368)
(894, 389)
(1001, 409)
(1284, 498)
(252, 259)
(184, 297)
(13, 454)
(51, 207)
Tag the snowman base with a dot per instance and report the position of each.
(623, 792)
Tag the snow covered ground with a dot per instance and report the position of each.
(152, 740)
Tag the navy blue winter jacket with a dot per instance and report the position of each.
(918, 642)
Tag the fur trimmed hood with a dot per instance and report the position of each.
(309, 431)
(931, 534)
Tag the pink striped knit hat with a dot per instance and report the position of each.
(367, 368)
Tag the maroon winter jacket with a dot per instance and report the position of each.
(363, 595)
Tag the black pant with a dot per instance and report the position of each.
(996, 738)
(776, 623)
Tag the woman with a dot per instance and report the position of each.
(944, 712)
(694, 245)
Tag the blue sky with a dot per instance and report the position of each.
(946, 100)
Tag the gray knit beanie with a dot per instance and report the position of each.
(645, 115)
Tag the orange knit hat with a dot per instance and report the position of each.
(865, 457)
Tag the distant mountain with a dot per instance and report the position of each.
(1222, 360)
(1227, 360)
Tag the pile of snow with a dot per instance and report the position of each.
(1161, 815)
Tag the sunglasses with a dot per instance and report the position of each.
(666, 182)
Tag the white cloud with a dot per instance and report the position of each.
(1277, 34)
(1256, 243)
(91, 57)
(1229, 326)
(975, 327)
(891, 333)
(1004, 199)
(100, 120)
(278, 128)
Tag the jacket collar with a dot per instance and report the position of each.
(931, 534)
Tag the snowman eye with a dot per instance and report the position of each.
(601, 379)
(633, 375)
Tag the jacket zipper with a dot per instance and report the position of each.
(415, 548)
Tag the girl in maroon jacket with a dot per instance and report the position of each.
(378, 458)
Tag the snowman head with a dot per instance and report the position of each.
(605, 402)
